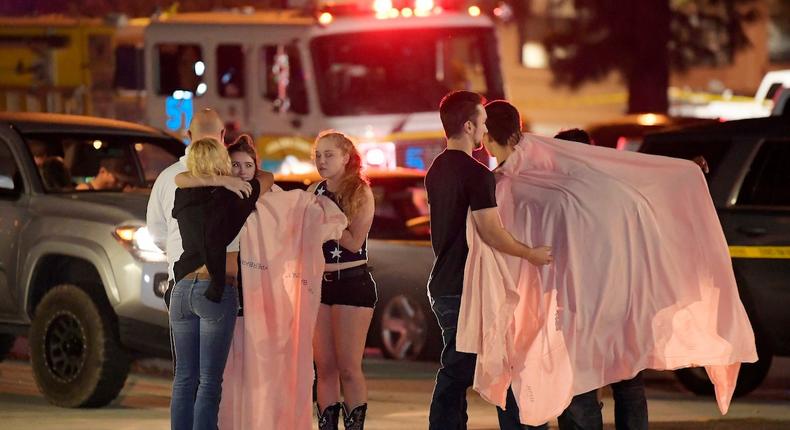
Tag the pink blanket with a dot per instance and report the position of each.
(642, 279)
(268, 379)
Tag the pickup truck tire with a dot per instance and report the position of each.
(75, 349)
(6, 343)
(406, 330)
(750, 376)
(402, 326)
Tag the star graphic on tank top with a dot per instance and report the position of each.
(320, 191)
(336, 253)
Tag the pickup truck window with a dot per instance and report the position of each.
(10, 179)
(84, 163)
(153, 159)
(768, 181)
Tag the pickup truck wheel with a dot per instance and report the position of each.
(750, 376)
(75, 350)
(6, 343)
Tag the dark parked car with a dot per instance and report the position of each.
(627, 133)
(401, 257)
(749, 181)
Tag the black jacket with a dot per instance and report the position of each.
(208, 219)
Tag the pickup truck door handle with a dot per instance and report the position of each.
(753, 231)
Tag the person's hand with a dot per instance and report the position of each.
(238, 186)
(702, 163)
(540, 256)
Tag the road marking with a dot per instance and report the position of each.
(767, 252)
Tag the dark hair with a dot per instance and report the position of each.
(574, 135)
(55, 174)
(244, 143)
(456, 108)
(503, 123)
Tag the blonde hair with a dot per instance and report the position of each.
(207, 157)
(350, 192)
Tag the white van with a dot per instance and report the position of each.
(284, 76)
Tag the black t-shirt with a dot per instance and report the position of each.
(455, 183)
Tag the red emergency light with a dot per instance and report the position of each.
(389, 9)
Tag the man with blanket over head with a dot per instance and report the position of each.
(457, 184)
(642, 277)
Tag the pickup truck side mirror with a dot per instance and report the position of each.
(8, 186)
(6, 183)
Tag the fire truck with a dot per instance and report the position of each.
(376, 73)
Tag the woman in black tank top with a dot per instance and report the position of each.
(348, 292)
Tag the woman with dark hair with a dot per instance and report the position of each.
(504, 129)
(204, 300)
(504, 133)
(243, 157)
(348, 292)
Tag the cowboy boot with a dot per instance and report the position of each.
(328, 419)
(355, 420)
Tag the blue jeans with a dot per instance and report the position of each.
(509, 419)
(630, 408)
(448, 405)
(202, 331)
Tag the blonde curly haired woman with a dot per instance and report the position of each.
(348, 292)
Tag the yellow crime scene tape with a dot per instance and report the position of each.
(760, 252)
(766, 252)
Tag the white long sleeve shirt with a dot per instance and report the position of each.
(159, 217)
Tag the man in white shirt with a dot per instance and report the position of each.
(159, 218)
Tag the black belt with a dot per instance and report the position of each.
(343, 274)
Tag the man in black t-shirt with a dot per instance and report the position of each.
(457, 183)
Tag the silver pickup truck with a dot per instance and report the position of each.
(79, 273)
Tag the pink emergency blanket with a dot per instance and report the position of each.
(642, 279)
(268, 378)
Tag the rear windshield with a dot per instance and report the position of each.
(713, 151)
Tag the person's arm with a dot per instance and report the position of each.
(359, 226)
(236, 185)
(494, 235)
(266, 180)
(155, 219)
(481, 186)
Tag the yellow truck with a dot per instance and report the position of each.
(64, 65)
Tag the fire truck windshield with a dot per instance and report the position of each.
(403, 71)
